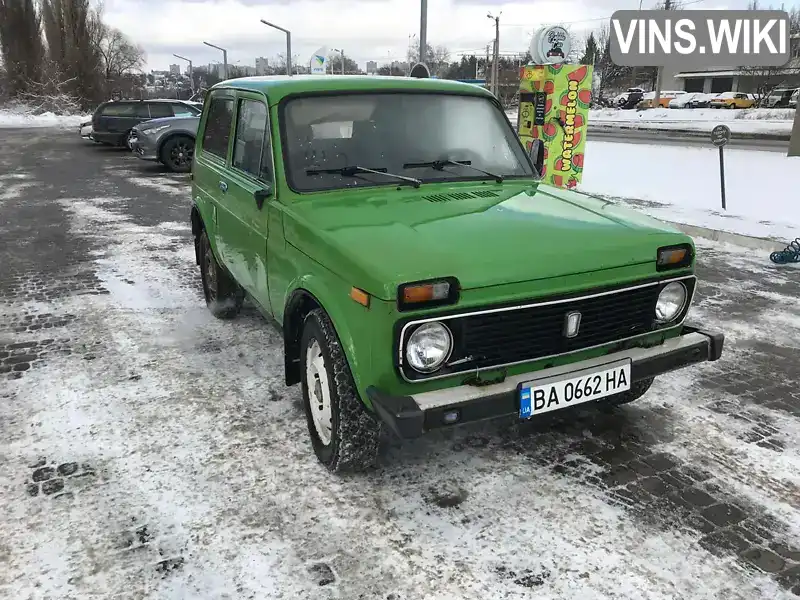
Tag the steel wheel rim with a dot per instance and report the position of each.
(319, 393)
(181, 155)
(129, 142)
(211, 277)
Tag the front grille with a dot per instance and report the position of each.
(488, 339)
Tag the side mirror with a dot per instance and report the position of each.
(537, 157)
(260, 196)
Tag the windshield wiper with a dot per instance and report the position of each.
(439, 165)
(354, 170)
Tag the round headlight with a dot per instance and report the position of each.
(671, 301)
(429, 347)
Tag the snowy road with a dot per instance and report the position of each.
(148, 450)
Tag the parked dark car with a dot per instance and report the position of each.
(113, 121)
(169, 141)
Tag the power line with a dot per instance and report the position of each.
(608, 18)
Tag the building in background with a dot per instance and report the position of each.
(716, 80)
(372, 67)
(175, 70)
(262, 66)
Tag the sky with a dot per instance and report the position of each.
(376, 30)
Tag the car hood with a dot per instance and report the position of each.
(484, 236)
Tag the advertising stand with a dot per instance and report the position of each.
(554, 103)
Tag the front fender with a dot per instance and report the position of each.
(350, 319)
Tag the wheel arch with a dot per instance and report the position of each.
(198, 226)
(172, 135)
(307, 296)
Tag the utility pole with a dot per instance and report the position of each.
(423, 31)
(636, 69)
(496, 56)
(660, 76)
(486, 75)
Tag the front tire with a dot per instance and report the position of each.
(345, 437)
(224, 297)
(177, 153)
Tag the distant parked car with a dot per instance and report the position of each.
(85, 130)
(779, 98)
(684, 100)
(664, 98)
(701, 101)
(793, 99)
(629, 99)
(733, 100)
(169, 141)
(113, 121)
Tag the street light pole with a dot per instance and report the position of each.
(224, 59)
(191, 78)
(342, 53)
(636, 69)
(288, 45)
(423, 31)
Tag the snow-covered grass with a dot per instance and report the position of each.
(23, 116)
(201, 454)
(755, 120)
(682, 184)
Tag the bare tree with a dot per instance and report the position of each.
(21, 44)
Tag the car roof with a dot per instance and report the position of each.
(280, 86)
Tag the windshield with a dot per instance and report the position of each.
(389, 132)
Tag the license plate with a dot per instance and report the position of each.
(561, 391)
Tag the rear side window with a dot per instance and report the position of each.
(159, 110)
(218, 126)
(184, 110)
(251, 151)
(119, 109)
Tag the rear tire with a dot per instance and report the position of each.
(345, 437)
(224, 297)
(177, 153)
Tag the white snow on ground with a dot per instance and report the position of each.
(756, 120)
(23, 117)
(682, 184)
(195, 439)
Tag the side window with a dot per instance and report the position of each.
(218, 126)
(183, 110)
(159, 110)
(119, 109)
(141, 110)
(251, 152)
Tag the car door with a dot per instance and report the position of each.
(211, 159)
(243, 221)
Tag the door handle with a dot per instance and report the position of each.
(223, 186)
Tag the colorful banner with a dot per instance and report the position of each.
(318, 64)
(554, 107)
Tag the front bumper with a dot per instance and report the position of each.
(412, 416)
(143, 148)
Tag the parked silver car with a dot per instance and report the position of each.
(169, 141)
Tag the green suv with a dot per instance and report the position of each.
(397, 232)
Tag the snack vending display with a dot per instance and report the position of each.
(554, 108)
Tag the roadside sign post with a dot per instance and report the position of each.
(720, 136)
(794, 139)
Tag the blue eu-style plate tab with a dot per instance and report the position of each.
(525, 406)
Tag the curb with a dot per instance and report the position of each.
(780, 137)
(738, 239)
